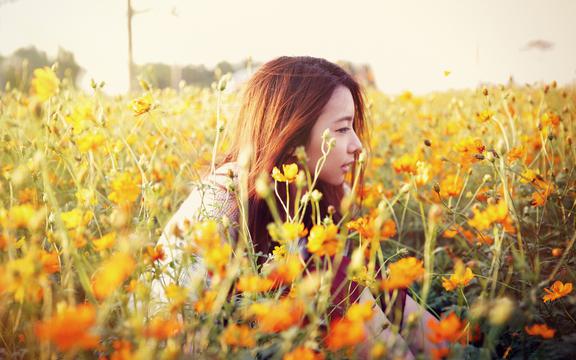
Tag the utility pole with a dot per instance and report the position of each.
(131, 80)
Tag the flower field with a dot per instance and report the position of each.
(470, 202)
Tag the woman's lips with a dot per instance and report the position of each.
(345, 168)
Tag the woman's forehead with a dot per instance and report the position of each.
(340, 107)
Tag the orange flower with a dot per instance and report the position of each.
(155, 253)
(497, 213)
(204, 305)
(403, 273)
(516, 153)
(112, 274)
(540, 330)
(461, 277)
(450, 329)
(440, 353)
(303, 353)
(122, 350)
(70, 328)
(254, 283)
(344, 332)
(277, 316)
(50, 262)
(288, 270)
(366, 227)
(557, 291)
(162, 329)
(450, 186)
(323, 240)
(239, 336)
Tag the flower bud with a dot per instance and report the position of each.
(501, 310)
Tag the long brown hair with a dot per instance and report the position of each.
(280, 105)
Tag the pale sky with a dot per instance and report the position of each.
(408, 43)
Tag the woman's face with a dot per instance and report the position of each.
(337, 117)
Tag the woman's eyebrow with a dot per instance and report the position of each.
(345, 118)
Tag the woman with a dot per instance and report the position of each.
(288, 103)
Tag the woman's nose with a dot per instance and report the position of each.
(355, 145)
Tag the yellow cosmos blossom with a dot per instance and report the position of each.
(484, 115)
(407, 163)
(125, 188)
(254, 283)
(19, 216)
(111, 274)
(76, 218)
(461, 277)
(45, 83)
(217, 258)
(105, 242)
(288, 174)
(323, 240)
(142, 104)
(286, 232)
(557, 291)
(90, 142)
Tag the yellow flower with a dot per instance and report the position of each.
(125, 188)
(484, 115)
(406, 163)
(111, 274)
(254, 283)
(105, 242)
(142, 104)
(286, 232)
(90, 142)
(289, 173)
(461, 277)
(557, 291)
(19, 216)
(217, 258)
(45, 83)
(323, 240)
(76, 218)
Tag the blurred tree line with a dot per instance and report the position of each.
(17, 69)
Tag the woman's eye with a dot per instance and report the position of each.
(343, 130)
